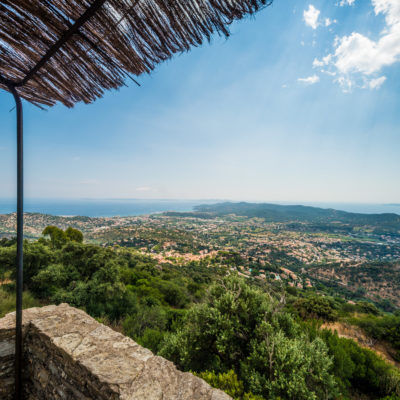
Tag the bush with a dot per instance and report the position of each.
(228, 382)
(7, 301)
(151, 339)
(317, 307)
(281, 366)
(173, 294)
(242, 328)
(360, 368)
(146, 317)
(367, 307)
(386, 328)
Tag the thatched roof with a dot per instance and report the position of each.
(95, 44)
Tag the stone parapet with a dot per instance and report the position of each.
(69, 355)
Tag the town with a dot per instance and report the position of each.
(285, 253)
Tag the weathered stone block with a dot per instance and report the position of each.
(69, 355)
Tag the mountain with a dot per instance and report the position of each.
(299, 213)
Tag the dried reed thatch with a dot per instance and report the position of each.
(120, 38)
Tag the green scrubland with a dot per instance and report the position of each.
(253, 340)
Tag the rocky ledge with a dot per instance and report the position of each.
(69, 355)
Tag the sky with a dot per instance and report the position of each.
(300, 103)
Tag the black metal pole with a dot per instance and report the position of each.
(20, 234)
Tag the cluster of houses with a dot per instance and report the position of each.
(285, 275)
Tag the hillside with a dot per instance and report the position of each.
(298, 213)
(251, 336)
(352, 260)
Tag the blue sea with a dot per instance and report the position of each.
(124, 207)
(99, 208)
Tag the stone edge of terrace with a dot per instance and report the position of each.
(109, 359)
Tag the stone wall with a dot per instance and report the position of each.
(69, 355)
(7, 343)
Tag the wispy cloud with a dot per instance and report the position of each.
(343, 3)
(311, 80)
(376, 83)
(329, 22)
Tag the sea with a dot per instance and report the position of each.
(127, 207)
(100, 207)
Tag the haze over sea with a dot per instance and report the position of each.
(126, 207)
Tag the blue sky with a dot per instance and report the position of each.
(299, 104)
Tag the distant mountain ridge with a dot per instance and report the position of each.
(300, 213)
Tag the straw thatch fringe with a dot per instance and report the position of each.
(123, 37)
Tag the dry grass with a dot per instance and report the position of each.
(353, 332)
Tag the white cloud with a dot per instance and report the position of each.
(346, 3)
(357, 58)
(345, 83)
(317, 63)
(330, 73)
(143, 189)
(320, 63)
(329, 21)
(376, 83)
(311, 17)
(310, 80)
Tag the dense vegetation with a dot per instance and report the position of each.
(384, 223)
(386, 328)
(253, 340)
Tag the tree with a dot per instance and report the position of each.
(317, 307)
(74, 235)
(280, 366)
(242, 328)
(154, 317)
(57, 236)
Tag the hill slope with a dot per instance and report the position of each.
(299, 213)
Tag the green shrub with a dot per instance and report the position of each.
(242, 328)
(146, 317)
(228, 382)
(367, 307)
(386, 328)
(255, 348)
(358, 368)
(317, 307)
(7, 301)
(151, 339)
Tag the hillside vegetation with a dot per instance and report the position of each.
(254, 339)
(283, 213)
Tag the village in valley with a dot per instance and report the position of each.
(289, 253)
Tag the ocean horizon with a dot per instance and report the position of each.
(131, 207)
(98, 207)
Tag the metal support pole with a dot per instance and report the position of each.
(20, 234)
